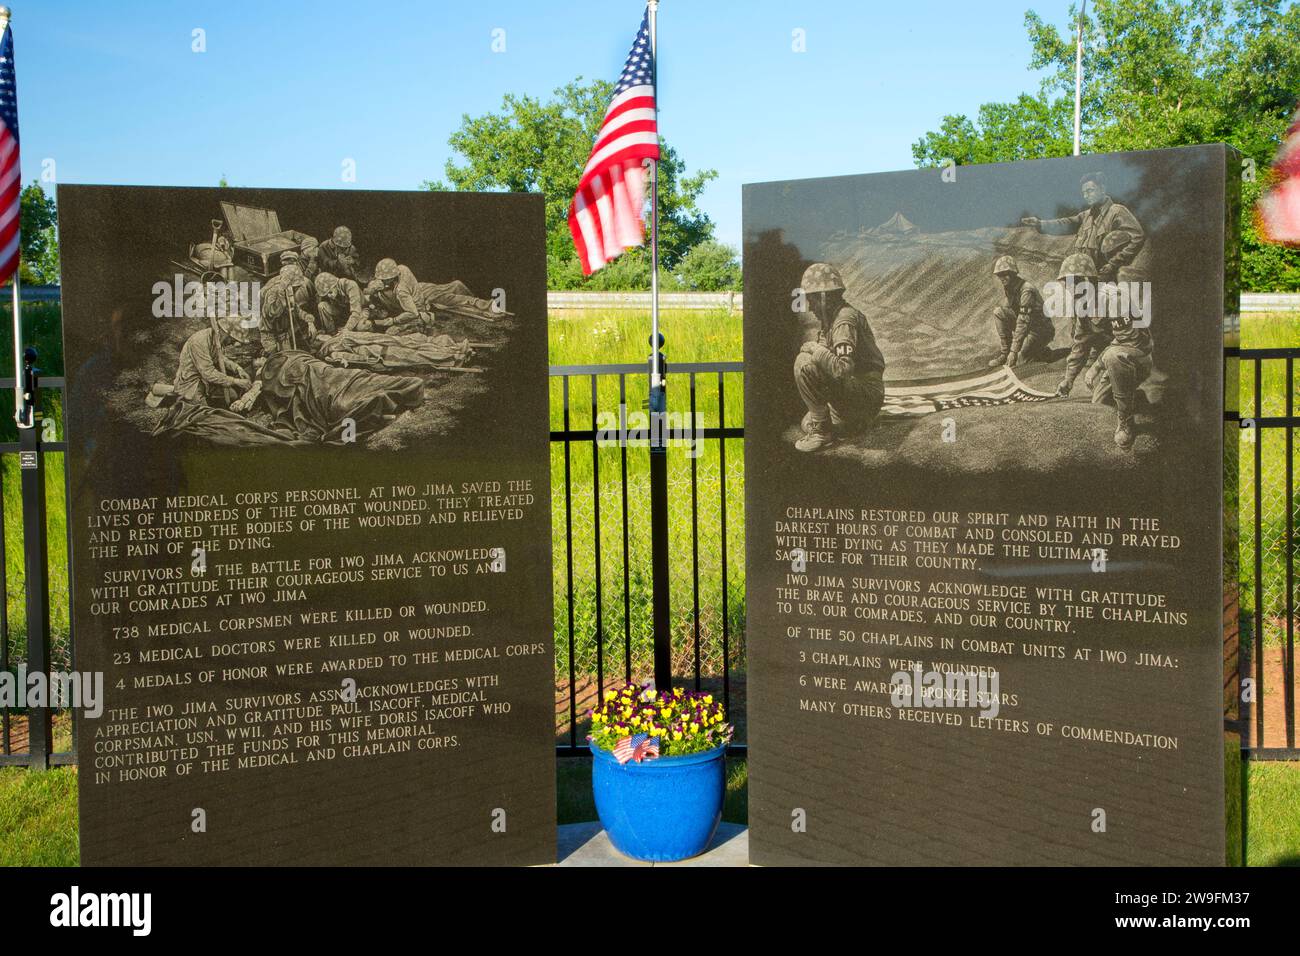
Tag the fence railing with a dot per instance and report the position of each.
(30, 736)
(603, 492)
(601, 504)
(1268, 519)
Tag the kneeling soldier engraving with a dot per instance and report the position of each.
(840, 374)
(1125, 361)
(1024, 330)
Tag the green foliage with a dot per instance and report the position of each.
(40, 238)
(710, 266)
(534, 145)
(1157, 73)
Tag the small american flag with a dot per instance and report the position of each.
(605, 217)
(998, 387)
(639, 747)
(10, 170)
(1279, 208)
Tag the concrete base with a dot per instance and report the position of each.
(586, 844)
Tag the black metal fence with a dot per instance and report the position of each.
(605, 492)
(1268, 513)
(34, 736)
(602, 499)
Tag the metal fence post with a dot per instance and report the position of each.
(35, 562)
(659, 549)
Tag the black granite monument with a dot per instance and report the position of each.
(985, 512)
(310, 525)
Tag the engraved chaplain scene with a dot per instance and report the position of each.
(306, 332)
(1044, 324)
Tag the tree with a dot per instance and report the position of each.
(531, 145)
(710, 266)
(1157, 73)
(38, 220)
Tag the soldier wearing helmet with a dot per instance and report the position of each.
(408, 305)
(1125, 361)
(1105, 230)
(1023, 328)
(286, 319)
(309, 258)
(840, 373)
(339, 257)
(340, 304)
(394, 291)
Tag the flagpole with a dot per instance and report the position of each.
(659, 554)
(5, 16)
(656, 373)
(1078, 79)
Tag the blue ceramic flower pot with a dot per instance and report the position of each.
(663, 809)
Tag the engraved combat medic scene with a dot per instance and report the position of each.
(901, 323)
(310, 526)
(278, 337)
(984, 513)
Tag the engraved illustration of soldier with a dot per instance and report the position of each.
(205, 375)
(339, 257)
(1104, 229)
(340, 304)
(840, 373)
(1024, 331)
(1125, 361)
(405, 304)
(309, 259)
(287, 321)
(317, 344)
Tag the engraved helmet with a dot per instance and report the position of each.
(1006, 264)
(326, 285)
(1078, 264)
(343, 236)
(385, 270)
(309, 244)
(821, 277)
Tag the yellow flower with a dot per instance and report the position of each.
(708, 698)
(677, 735)
(695, 728)
(611, 694)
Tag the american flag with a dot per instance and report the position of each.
(638, 748)
(605, 217)
(10, 170)
(1279, 208)
(998, 387)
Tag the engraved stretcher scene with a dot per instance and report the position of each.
(1040, 328)
(275, 336)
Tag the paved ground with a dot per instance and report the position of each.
(586, 844)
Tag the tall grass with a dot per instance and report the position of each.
(607, 628)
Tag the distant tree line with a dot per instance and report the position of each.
(535, 145)
(1156, 73)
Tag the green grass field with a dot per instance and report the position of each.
(595, 483)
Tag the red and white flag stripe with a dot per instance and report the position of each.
(10, 168)
(605, 217)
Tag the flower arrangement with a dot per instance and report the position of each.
(673, 722)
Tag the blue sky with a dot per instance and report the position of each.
(287, 91)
